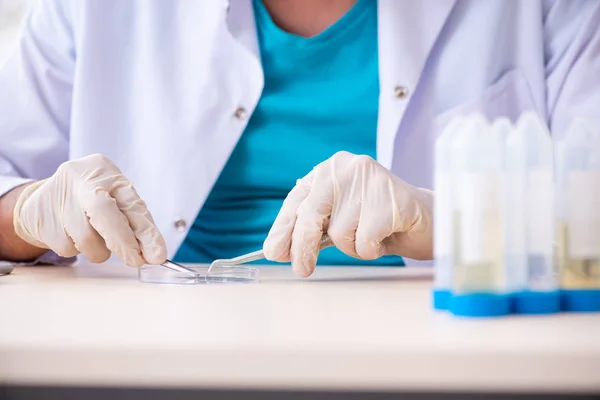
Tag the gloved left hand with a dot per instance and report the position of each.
(366, 210)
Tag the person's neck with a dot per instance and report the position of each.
(307, 18)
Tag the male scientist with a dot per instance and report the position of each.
(214, 109)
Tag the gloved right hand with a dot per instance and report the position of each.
(89, 207)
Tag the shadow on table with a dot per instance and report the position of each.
(425, 277)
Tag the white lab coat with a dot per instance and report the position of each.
(155, 85)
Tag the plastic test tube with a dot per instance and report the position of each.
(529, 233)
(443, 245)
(579, 218)
(479, 284)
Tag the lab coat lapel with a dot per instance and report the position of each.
(242, 25)
(408, 30)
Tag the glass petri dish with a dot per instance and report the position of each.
(219, 275)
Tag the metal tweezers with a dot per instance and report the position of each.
(246, 258)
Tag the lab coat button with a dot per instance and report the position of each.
(241, 113)
(180, 225)
(401, 92)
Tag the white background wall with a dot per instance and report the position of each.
(11, 15)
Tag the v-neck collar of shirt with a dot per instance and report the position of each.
(336, 32)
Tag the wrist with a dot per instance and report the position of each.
(19, 227)
(12, 247)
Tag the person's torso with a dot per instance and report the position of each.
(307, 112)
(167, 91)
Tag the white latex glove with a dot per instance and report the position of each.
(89, 207)
(367, 211)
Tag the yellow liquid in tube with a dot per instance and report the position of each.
(480, 274)
(576, 273)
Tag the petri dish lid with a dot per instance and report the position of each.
(219, 275)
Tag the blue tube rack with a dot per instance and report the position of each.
(520, 303)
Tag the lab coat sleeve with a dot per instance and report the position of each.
(35, 97)
(572, 53)
(35, 101)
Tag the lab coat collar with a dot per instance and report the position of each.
(408, 30)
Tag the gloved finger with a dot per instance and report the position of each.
(151, 242)
(372, 228)
(313, 213)
(85, 238)
(343, 224)
(369, 241)
(278, 242)
(60, 243)
(106, 218)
